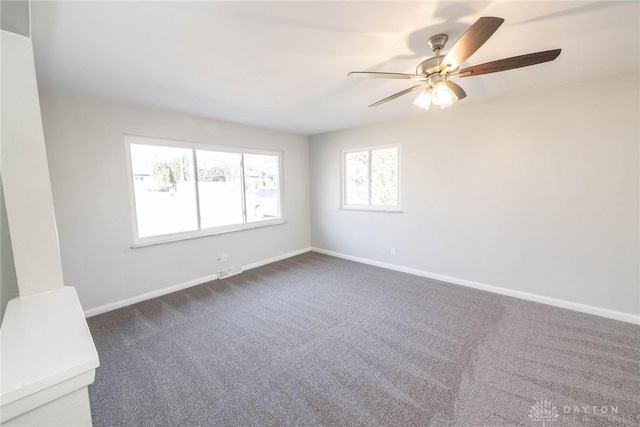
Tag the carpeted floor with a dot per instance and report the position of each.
(316, 340)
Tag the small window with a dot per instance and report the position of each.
(183, 190)
(371, 179)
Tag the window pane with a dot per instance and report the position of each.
(357, 178)
(262, 184)
(384, 176)
(164, 189)
(220, 188)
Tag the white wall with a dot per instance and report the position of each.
(536, 193)
(8, 280)
(15, 17)
(86, 151)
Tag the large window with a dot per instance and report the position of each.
(370, 179)
(182, 190)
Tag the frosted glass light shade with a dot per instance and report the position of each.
(442, 96)
(424, 99)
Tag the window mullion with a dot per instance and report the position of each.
(196, 182)
(369, 173)
(344, 179)
(243, 189)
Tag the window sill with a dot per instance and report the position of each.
(189, 236)
(371, 209)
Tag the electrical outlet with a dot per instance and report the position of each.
(223, 258)
(393, 251)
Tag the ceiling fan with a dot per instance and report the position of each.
(435, 74)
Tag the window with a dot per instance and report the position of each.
(183, 190)
(371, 179)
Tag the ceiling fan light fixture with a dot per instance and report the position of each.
(442, 96)
(434, 73)
(424, 99)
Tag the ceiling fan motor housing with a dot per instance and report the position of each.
(429, 66)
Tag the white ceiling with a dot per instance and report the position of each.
(284, 65)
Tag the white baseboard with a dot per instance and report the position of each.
(149, 295)
(276, 258)
(583, 308)
(164, 291)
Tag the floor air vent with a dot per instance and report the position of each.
(229, 272)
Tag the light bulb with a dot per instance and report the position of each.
(442, 96)
(424, 99)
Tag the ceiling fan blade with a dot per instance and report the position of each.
(456, 89)
(377, 75)
(510, 63)
(471, 41)
(395, 95)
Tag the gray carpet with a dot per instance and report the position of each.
(316, 340)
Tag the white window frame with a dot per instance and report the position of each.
(200, 232)
(343, 182)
